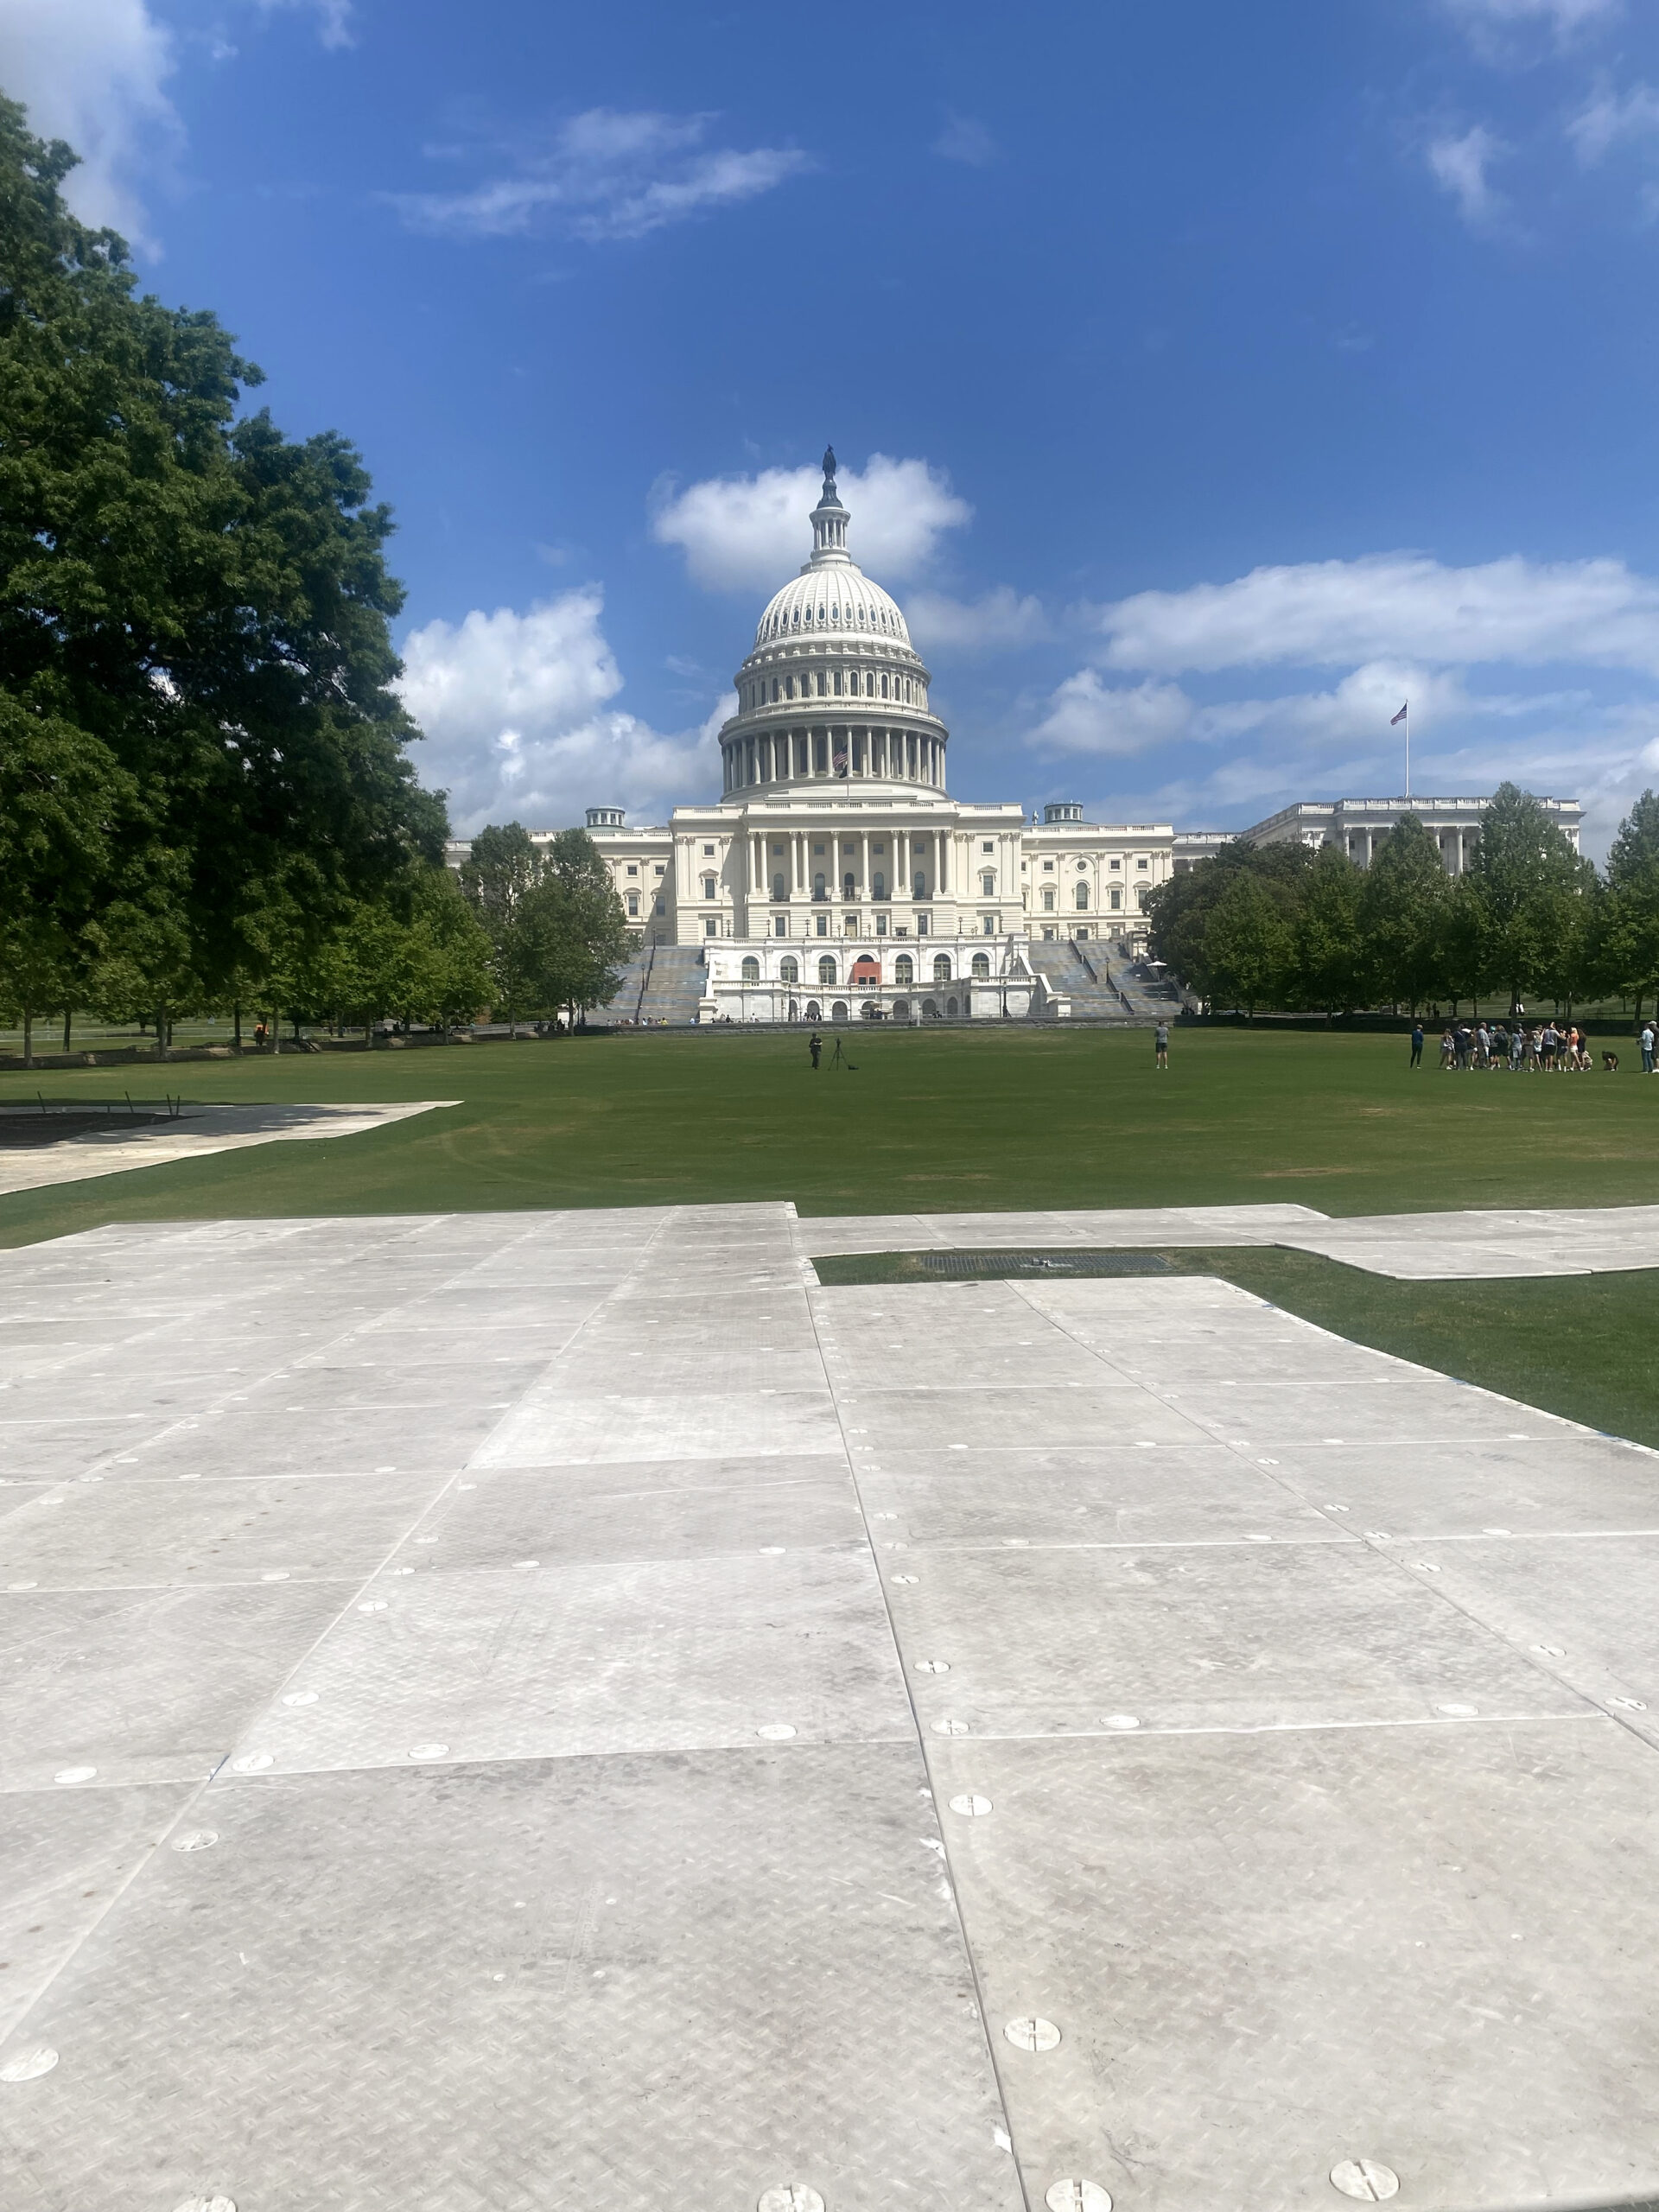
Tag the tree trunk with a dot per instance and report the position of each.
(275, 1029)
(29, 1037)
(236, 1020)
(67, 1012)
(161, 1035)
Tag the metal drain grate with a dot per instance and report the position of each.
(1045, 1264)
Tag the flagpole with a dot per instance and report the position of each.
(1407, 752)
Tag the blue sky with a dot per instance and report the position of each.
(1207, 379)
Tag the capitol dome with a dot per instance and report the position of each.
(829, 638)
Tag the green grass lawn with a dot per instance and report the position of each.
(975, 1120)
(929, 1121)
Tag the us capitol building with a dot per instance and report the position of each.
(836, 879)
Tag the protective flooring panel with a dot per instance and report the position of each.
(545, 1630)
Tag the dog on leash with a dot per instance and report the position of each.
(1610, 1063)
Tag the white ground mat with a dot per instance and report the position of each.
(553, 1710)
(201, 1130)
(1411, 1247)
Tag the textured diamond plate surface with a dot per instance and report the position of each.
(588, 1983)
(643, 1656)
(1266, 1954)
(565, 1593)
(145, 1685)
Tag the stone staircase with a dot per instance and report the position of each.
(1101, 984)
(660, 986)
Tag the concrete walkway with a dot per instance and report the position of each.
(201, 1130)
(556, 1711)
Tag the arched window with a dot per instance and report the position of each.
(918, 887)
(950, 1008)
(878, 887)
(1117, 899)
(982, 966)
(848, 885)
(904, 969)
(708, 886)
(901, 1010)
(751, 970)
(1141, 897)
(838, 1010)
(1048, 902)
(826, 970)
(818, 887)
(789, 970)
(634, 902)
(930, 1010)
(837, 683)
(1082, 897)
(941, 967)
(813, 1012)
(988, 885)
(778, 885)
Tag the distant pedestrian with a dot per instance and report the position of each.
(1647, 1048)
(1416, 1043)
(1448, 1047)
(1517, 1048)
(1482, 1046)
(815, 1046)
(1160, 1041)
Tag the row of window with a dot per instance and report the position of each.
(830, 616)
(865, 971)
(860, 683)
(1142, 864)
(1113, 899)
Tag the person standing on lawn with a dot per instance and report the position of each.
(1647, 1048)
(1416, 1043)
(1161, 1046)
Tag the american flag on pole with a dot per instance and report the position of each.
(1401, 716)
(841, 760)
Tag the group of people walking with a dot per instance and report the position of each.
(1538, 1047)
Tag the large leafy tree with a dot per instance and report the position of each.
(196, 673)
(1628, 928)
(1401, 915)
(1248, 942)
(502, 868)
(1528, 885)
(577, 928)
(1327, 955)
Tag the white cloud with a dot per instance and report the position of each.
(1597, 613)
(334, 17)
(1610, 118)
(94, 72)
(1458, 166)
(997, 619)
(606, 176)
(964, 139)
(516, 708)
(750, 533)
(1085, 716)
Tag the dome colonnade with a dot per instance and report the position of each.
(829, 639)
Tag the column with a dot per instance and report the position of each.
(945, 865)
(901, 863)
(864, 863)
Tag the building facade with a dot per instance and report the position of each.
(1359, 825)
(835, 878)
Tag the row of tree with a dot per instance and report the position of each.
(206, 798)
(1293, 928)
